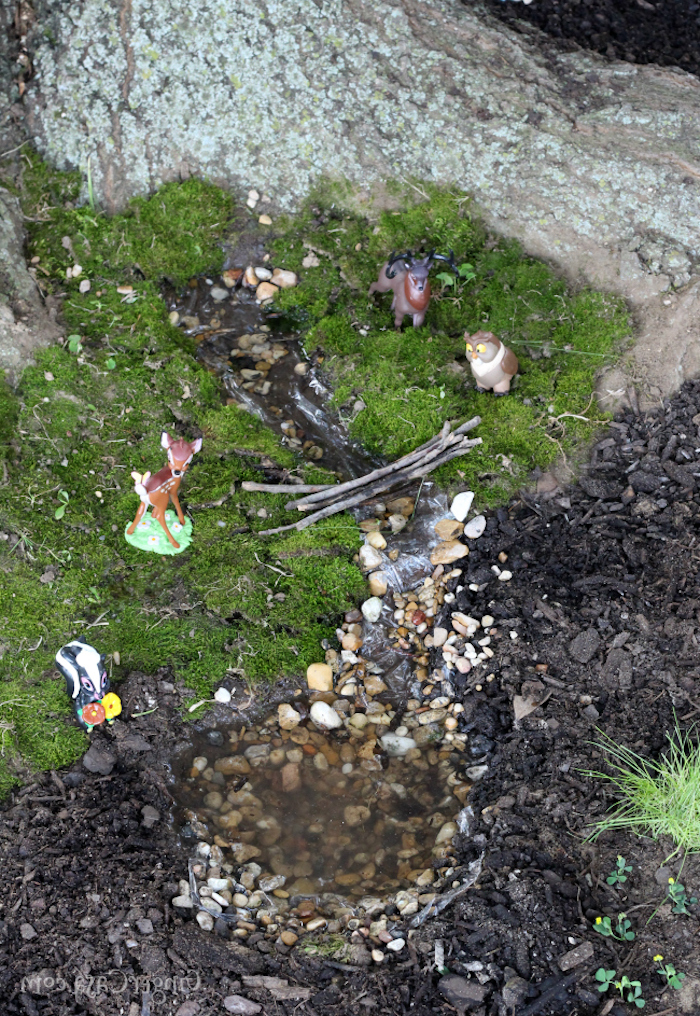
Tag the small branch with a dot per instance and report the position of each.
(286, 488)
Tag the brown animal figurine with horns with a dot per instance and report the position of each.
(493, 365)
(409, 283)
(163, 486)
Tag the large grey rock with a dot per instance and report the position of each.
(592, 163)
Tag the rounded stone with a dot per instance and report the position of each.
(376, 540)
(461, 504)
(378, 583)
(475, 527)
(372, 608)
(370, 558)
(319, 677)
(447, 553)
(287, 716)
(265, 292)
(324, 716)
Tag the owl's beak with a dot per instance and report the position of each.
(474, 356)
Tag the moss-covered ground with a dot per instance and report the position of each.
(410, 381)
(94, 406)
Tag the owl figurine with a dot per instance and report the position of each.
(493, 364)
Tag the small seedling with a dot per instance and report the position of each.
(466, 274)
(618, 874)
(74, 344)
(621, 931)
(606, 978)
(633, 988)
(679, 897)
(111, 363)
(673, 978)
(61, 510)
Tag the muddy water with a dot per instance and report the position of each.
(262, 367)
(327, 813)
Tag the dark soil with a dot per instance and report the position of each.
(605, 598)
(665, 32)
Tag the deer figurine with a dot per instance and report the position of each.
(409, 283)
(163, 486)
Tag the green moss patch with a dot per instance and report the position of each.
(93, 409)
(94, 406)
(412, 381)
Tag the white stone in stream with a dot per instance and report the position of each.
(288, 716)
(205, 921)
(369, 558)
(371, 609)
(376, 540)
(378, 583)
(439, 636)
(475, 527)
(324, 716)
(395, 745)
(319, 677)
(447, 831)
(461, 505)
(396, 944)
(222, 695)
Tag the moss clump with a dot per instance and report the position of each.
(411, 382)
(90, 411)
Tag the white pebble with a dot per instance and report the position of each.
(371, 609)
(324, 716)
(222, 695)
(85, 286)
(505, 576)
(514, 635)
(486, 621)
(475, 527)
(396, 945)
(461, 505)
(205, 921)
(346, 769)
(377, 956)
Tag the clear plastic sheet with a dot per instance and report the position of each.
(444, 900)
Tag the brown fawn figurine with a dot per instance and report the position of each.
(409, 283)
(163, 486)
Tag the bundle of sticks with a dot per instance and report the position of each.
(329, 499)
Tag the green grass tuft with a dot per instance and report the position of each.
(656, 798)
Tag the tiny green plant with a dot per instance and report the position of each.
(74, 344)
(61, 510)
(668, 973)
(679, 897)
(620, 931)
(465, 273)
(618, 874)
(659, 797)
(606, 979)
(633, 991)
(110, 363)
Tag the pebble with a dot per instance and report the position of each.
(222, 695)
(301, 369)
(265, 220)
(284, 278)
(84, 286)
(372, 609)
(324, 716)
(461, 505)
(263, 274)
(370, 558)
(174, 317)
(378, 583)
(240, 1006)
(505, 576)
(449, 529)
(475, 527)
(397, 522)
(447, 553)
(439, 636)
(218, 294)
(396, 944)
(376, 540)
(27, 932)
(377, 956)
(319, 677)
(287, 716)
(205, 920)
(265, 292)
(395, 745)
(183, 901)
(289, 938)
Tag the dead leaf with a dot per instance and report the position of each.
(533, 694)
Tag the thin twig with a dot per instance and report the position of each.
(286, 488)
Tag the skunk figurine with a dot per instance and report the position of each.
(87, 684)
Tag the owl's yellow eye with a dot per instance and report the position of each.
(470, 348)
(481, 348)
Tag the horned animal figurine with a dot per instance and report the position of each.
(87, 684)
(493, 365)
(409, 283)
(163, 486)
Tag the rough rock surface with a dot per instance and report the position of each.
(590, 162)
(24, 321)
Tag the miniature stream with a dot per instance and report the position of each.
(336, 807)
